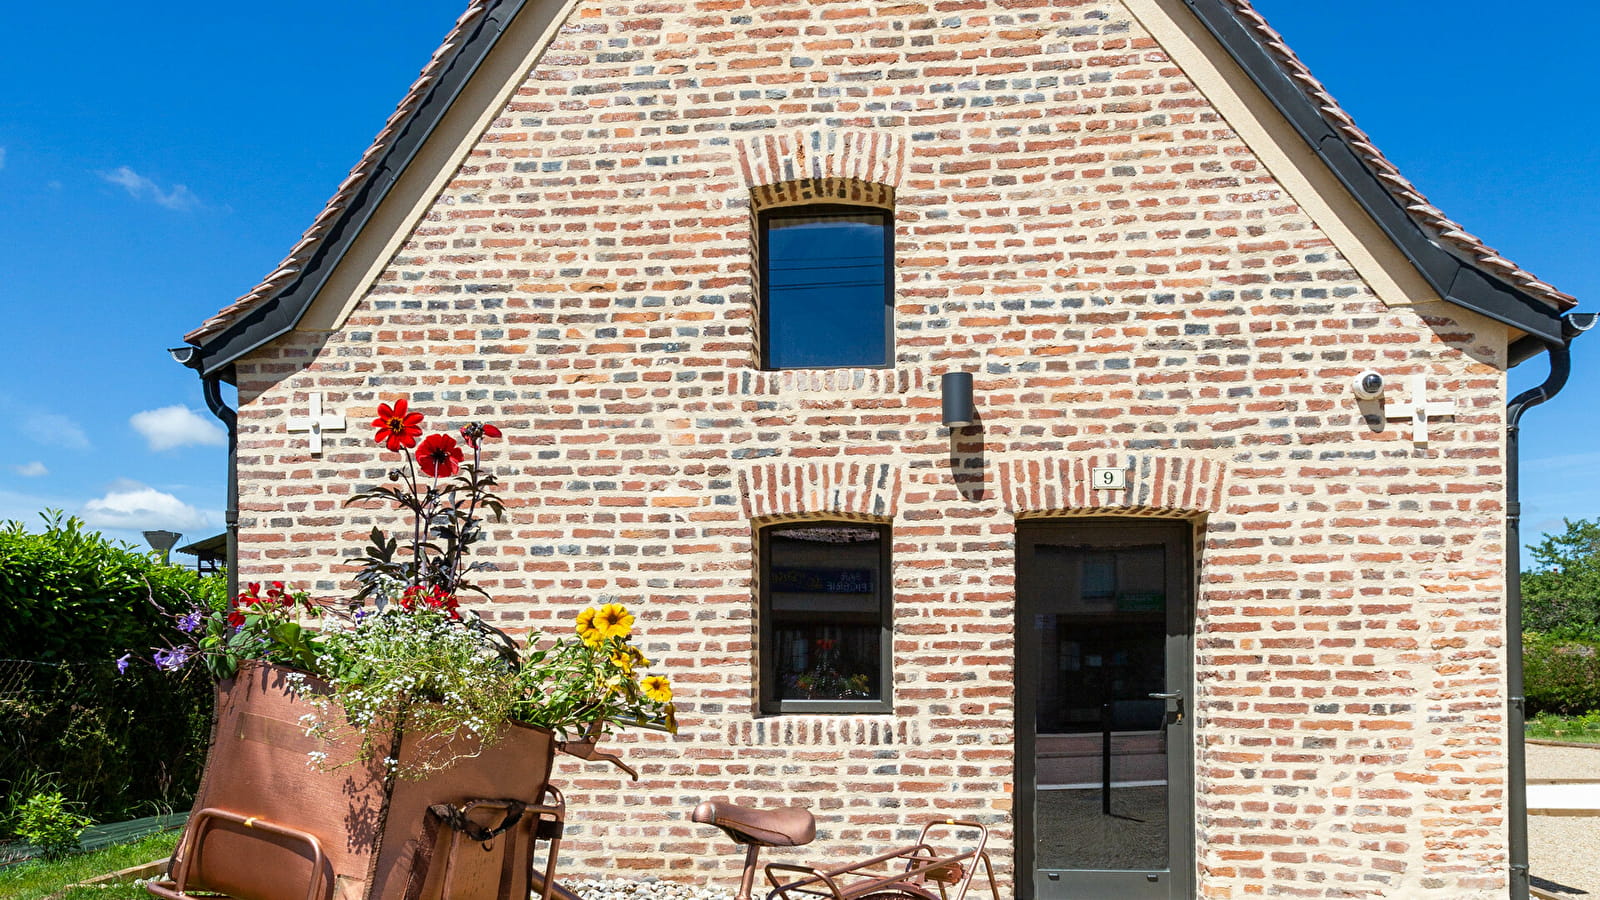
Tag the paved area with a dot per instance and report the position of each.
(1563, 850)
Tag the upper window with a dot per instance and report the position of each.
(825, 624)
(826, 276)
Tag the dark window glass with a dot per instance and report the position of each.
(825, 603)
(825, 288)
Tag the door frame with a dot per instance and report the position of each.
(1180, 538)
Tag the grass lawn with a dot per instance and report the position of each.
(37, 879)
(1584, 729)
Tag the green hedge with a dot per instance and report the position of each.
(1560, 675)
(120, 745)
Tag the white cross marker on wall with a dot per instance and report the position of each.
(1419, 410)
(316, 423)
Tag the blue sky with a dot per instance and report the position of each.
(156, 160)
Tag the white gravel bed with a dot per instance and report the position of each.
(650, 889)
(1563, 762)
(1564, 851)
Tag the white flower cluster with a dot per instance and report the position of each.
(422, 671)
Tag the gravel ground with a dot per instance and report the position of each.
(1564, 851)
(617, 889)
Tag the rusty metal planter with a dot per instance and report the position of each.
(269, 825)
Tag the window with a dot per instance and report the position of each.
(826, 299)
(825, 624)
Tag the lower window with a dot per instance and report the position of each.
(825, 618)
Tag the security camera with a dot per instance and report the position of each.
(1368, 385)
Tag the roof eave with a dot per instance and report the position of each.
(279, 314)
(1456, 280)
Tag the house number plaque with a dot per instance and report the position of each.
(1108, 479)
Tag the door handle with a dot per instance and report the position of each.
(1174, 698)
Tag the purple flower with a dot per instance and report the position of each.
(122, 664)
(189, 622)
(171, 660)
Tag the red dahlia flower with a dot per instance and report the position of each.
(439, 456)
(432, 597)
(397, 428)
(475, 433)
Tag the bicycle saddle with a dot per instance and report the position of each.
(790, 826)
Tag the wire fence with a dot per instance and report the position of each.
(121, 745)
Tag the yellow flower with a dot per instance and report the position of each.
(586, 627)
(613, 620)
(628, 658)
(657, 688)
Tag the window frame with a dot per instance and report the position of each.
(766, 657)
(764, 218)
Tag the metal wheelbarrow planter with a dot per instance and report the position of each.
(270, 824)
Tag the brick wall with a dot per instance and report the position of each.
(1078, 227)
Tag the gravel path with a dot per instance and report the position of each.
(1564, 851)
(617, 889)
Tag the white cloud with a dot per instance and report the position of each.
(31, 469)
(141, 188)
(54, 430)
(133, 506)
(176, 426)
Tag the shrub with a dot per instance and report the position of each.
(1560, 675)
(48, 822)
(121, 745)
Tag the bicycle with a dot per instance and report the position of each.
(923, 873)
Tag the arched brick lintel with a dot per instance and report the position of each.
(869, 156)
(780, 490)
(1158, 484)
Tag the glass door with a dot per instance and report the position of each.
(1104, 759)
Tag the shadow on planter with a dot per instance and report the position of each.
(269, 825)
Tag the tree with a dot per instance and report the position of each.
(1561, 594)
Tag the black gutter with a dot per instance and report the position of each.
(1516, 706)
(279, 315)
(212, 385)
(1455, 279)
(213, 392)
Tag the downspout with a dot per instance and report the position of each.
(211, 387)
(1516, 711)
(230, 516)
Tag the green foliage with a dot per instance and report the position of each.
(74, 596)
(424, 670)
(39, 879)
(121, 745)
(1583, 729)
(49, 822)
(1561, 675)
(1561, 593)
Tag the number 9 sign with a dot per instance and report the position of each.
(1108, 479)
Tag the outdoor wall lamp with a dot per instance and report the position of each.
(955, 389)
